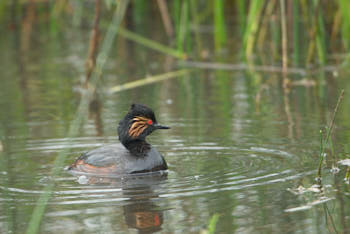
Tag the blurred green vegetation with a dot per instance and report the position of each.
(318, 27)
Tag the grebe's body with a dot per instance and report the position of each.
(133, 154)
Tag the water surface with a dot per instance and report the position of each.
(228, 153)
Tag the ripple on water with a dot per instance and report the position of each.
(200, 169)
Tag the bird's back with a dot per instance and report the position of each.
(116, 159)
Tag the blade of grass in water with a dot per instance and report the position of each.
(205, 13)
(241, 9)
(176, 12)
(9, 227)
(151, 44)
(195, 19)
(183, 27)
(139, 10)
(320, 33)
(255, 9)
(81, 114)
(164, 12)
(295, 33)
(344, 6)
(55, 16)
(219, 23)
(149, 80)
(284, 38)
(324, 143)
(212, 223)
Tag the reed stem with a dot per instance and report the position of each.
(347, 176)
(151, 44)
(328, 133)
(284, 36)
(295, 33)
(149, 80)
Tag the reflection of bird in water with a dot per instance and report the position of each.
(133, 155)
(140, 210)
(141, 213)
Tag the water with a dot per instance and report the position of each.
(251, 162)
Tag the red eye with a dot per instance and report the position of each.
(150, 122)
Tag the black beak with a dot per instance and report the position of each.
(158, 126)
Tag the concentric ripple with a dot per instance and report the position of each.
(194, 170)
(200, 170)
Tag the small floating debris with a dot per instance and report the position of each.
(301, 190)
(309, 205)
(335, 170)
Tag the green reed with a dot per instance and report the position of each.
(151, 44)
(296, 41)
(344, 7)
(241, 9)
(259, 22)
(212, 223)
(139, 11)
(219, 25)
(183, 27)
(252, 26)
(325, 142)
(320, 32)
(347, 175)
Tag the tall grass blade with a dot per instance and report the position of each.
(168, 26)
(255, 9)
(347, 175)
(284, 36)
(81, 114)
(344, 6)
(328, 133)
(196, 22)
(139, 11)
(241, 9)
(212, 223)
(296, 49)
(176, 12)
(151, 44)
(183, 27)
(219, 24)
(320, 33)
(149, 80)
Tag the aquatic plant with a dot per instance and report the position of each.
(325, 142)
(260, 23)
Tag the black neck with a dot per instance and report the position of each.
(137, 147)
